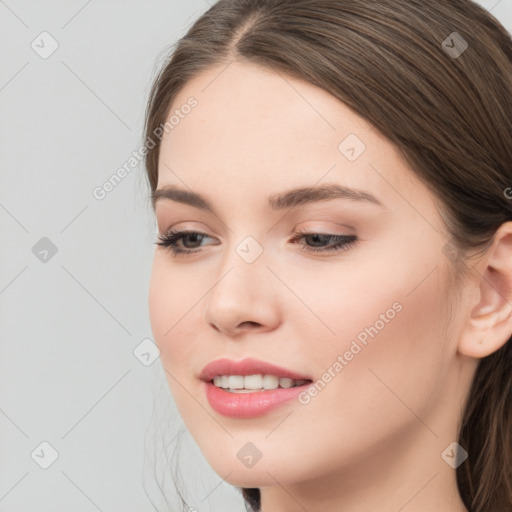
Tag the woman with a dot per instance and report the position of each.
(331, 289)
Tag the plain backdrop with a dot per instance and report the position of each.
(74, 396)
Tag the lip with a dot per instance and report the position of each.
(253, 404)
(247, 366)
(249, 405)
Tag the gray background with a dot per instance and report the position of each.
(69, 325)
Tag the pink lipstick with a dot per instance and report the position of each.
(237, 390)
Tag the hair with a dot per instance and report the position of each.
(449, 116)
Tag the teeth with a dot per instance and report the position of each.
(235, 382)
(252, 382)
(270, 382)
(285, 383)
(247, 383)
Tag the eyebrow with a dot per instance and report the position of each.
(281, 201)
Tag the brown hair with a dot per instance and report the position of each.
(449, 114)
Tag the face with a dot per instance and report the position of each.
(371, 323)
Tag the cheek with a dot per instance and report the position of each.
(174, 302)
(167, 298)
(161, 301)
(388, 342)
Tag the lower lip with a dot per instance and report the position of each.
(249, 405)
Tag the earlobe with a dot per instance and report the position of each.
(489, 325)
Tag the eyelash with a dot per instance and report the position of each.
(170, 239)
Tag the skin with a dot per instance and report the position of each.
(372, 439)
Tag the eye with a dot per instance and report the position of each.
(171, 239)
(191, 240)
(334, 243)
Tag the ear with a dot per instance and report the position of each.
(489, 325)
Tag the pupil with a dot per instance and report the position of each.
(316, 237)
(193, 236)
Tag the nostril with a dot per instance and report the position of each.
(249, 323)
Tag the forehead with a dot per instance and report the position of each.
(258, 131)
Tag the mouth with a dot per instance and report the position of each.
(250, 387)
(255, 383)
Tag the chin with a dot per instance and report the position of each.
(259, 475)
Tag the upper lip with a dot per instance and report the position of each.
(247, 366)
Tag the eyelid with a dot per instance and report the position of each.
(182, 226)
(326, 227)
(310, 226)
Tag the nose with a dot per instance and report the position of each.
(243, 299)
